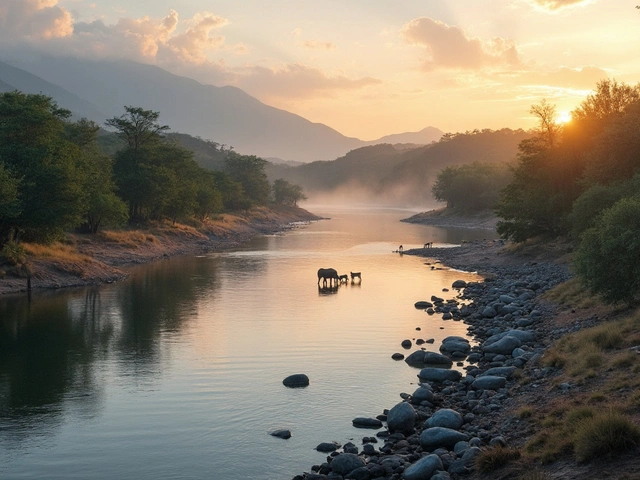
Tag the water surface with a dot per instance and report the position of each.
(176, 373)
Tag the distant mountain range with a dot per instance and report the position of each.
(100, 89)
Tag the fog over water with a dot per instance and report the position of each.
(177, 372)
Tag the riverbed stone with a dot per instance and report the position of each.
(397, 356)
(506, 372)
(436, 437)
(504, 345)
(439, 374)
(423, 304)
(366, 422)
(445, 417)
(328, 446)
(296, 381)
(459, 284)
(423, 468)
(407, 344)
(422, 394)
(281, 433)
(401, 418)
(345, 463)
(490, 382)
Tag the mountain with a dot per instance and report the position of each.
(226, 115)
(12, 78)
(423, 137)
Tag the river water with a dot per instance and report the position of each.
(176, 373)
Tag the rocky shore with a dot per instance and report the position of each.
(91, 259)
(438, 431)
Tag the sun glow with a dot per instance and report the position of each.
(563, 117)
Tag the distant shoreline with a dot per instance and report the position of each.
(444, 217)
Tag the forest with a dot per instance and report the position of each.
(58, 175)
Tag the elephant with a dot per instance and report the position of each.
(328, 273)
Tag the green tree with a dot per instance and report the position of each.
(9, 202)
(137, 127)
(208, 196)
(607, 257)
(34, 149)
(249, 171)
(286, 193)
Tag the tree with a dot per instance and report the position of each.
(137, 127)
(34, 149)
(607, 257)
(9, 201)
(286, 193)
(548, 129)
(249, 171)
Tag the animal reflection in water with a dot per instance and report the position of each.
(328, 273)
(355, 275)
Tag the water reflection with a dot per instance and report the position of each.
(50, 346)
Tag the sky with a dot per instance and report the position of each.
(367, 68)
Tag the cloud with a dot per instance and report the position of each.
(555, 5)
(318, 45)
(449, 47)
(33, 19)
(296, 81)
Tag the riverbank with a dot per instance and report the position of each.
(86, 259)
(445, 217)
(516, 410)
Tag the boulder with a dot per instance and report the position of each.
(407, 344)
(489, 382)
(506, 372)
(445, 417)
(436, 437)
(365, 422)
(345, 463)
(423, 468)
(433, 358)
(439, 374)
(397, 356)
(459, 284)
(503, 346)
(282, 433)
(296, 381)
(423, 304)
(328, 447)
(401, 418)
(422, 394)
(416, 359)
(455, 346)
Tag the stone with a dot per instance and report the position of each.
(397, 356)
(296, 381)
(423, 304)
(345, 463)
(328, 447)
(459, 284)
(282, 433)
(416, 359)
(365, 422)
(504, 345)
(506, 372)
(407, 344)
(423, 468)
(436, 437)
(433, 358)
(422, 394)
(401, 418)
(439, 374)
(489, 312)
(445, 417)
(489, 382)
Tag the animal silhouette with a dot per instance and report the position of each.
(328, 273)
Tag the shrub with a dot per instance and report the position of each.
(606, 259)
(13, 253)
(492, 458)
(605, 434)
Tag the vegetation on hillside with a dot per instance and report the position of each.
(58, 175)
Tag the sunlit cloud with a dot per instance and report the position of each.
(449, 47)
(556, 5)
(33, 20)
(318, 45)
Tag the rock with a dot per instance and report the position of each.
(401, 418)
(422, 394)
(423, 304)
(436, 437)
(407, 344)
(365, 422)
(416, 359)
(361, 473)
(441, 476)
(506, 372)
(296, 381)
(455, 346)
(503, 346)
(423, 468)
(397, 356)
(439, 374)
(489, 312)
(433, 358)
(328, 447)
(459, 284)
(345, 463)
(447, 418)
(470, 455)
(285, 434)
(489, 383)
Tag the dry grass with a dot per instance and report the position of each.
(57, 251)
(129, 238)
(573, 293)
(492, 458)
(606, 434)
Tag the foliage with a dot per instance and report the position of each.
(137, 127)
(493, 458)
(471, 187)
(13, 253)
(249, 171)
(286, 193)
(9, 200)
(607, 259)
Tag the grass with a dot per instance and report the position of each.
(493, 458)
(129, 238)
(573, 293)
(57, 251)
(605, 434)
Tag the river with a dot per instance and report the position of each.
(176, 373)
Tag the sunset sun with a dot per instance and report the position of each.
(563, 117)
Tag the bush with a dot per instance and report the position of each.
(606, 434)
(13, 253)
(607, 258)
(492, 458)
